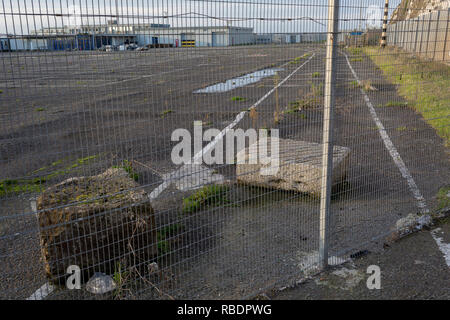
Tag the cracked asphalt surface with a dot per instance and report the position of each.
(411, 268)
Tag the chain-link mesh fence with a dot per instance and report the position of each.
(176, 148)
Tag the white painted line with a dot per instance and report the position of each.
(421, 204)
(156, 192)
(42, 292)
(444, 247)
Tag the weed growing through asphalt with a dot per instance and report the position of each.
(213, 195)
(357, 59)
(393, 104)
(316, 75)
(126, 165)
(120, 277)
(298, 59)
(354, 51)
(40, 109)
(164, 236)
(367, 85)
(443, 197)
(37, 184)
(239, 99)
(166, 112)
(355, 84)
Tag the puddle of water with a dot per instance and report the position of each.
(240, 81)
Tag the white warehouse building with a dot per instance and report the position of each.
(113, 33)
(197, 36)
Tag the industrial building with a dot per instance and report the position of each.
(93, 37)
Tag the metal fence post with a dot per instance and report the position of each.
(445, 37)
(327, 158)
(436, 34)
(417, 33)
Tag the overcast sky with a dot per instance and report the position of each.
(265, 16)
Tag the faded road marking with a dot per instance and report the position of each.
(444, 247)
(392, 149)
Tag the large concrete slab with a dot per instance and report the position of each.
(300, 165)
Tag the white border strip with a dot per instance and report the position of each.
(392, 150)
(42, 292)
(156, 192)
(444, 247)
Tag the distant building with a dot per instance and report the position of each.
(148, 34)
(91, 37)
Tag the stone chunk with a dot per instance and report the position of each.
(300, 166)
(96, 223)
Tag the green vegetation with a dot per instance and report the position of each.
(356, 59)
(213, 195)
(40, 109)
(402, 128)
(316, 75)
(354, 51)
(311, 100)
(166, 112)
(298, 59)
(119, 275)
(317, 90)
(355, 84)
(163, 236)
(237, 98)
(443, 198)
(423, 84)
(126, 165)
(31, 185)
(8, 186)
(394, 104)
(299, 105)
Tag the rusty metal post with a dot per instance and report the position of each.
(385, 19)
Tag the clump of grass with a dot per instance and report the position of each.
(10, 186)
(354, 51)
(209, 195)
(359, 59)
(423, 84)
(298, 59)
(237, 98)
(299, 105)
(394, 104)
(126, 165)
(317, 90)
(163, 236)
(120, 278)
(402, 128)
(40, 109)
(443, 197)
(311, 100)
(316, 75)
(1, 91)
(355, 84)
(166, 112)
(367, 86)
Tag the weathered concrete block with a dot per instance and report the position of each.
(300, 166)
(95, 223)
